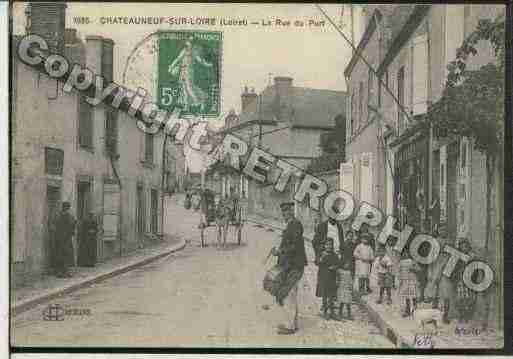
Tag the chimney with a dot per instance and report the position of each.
(70, 36)
(108, 59)
(48, 20)
(99, 56)
(75, 49)
(283, 88)
(248, 100)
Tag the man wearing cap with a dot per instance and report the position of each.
(292, 261)
(65, 229)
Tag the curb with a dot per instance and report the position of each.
(30, 303)
(387, 330)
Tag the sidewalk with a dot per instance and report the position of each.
(50, 287)
(401, 331)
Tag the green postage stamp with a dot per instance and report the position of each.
(189, 72)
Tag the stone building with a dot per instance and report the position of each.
(288, 122)
(63, 149)
(409, 47)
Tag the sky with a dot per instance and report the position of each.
(313, 56)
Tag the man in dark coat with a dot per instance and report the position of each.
(64, 231)
(292, 261)
(87, 242)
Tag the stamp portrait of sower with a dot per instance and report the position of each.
(189, 72)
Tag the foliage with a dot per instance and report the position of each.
(472, 103)
(333, 144)
(324, 163)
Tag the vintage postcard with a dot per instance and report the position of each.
(325, 176)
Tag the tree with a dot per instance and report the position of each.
(472, 105)
(333, 147)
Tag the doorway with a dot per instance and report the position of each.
(452, 189)
(140, 212)
(83, 199)
(53, 199)
(154, 211)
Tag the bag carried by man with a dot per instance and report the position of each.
(187, 202)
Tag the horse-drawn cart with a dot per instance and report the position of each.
(226, 213)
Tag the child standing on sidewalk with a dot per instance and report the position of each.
(408, 283)
(383, 265)
(345, 288)
(328, 264)
(364, 255)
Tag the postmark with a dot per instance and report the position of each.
(189, 72)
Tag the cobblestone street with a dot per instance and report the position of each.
(198, 297)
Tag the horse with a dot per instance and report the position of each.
(224, 213)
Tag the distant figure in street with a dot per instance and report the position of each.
(87, 242)
(329, 262)
(292, 261)
(330, 229)
(364, 255)
(442, 287)
(364, 231)
(408, 269)
(465, 297)
(64, 231)
(384, 269)
(348, 250)
(345, 286)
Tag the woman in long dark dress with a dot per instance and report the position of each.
(87, 244)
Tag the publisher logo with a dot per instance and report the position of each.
(57, 312)
(54, 312)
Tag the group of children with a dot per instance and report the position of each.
(341, 273)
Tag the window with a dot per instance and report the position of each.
(420, 74)
(54, 161)
(353, 114)
(360, 105)
(111, 133)
(85, 123)
(140, 213)
(370, 92)
(400, 98)
(148, 148)
(379, 90)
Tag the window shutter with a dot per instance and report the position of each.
(366, 178)
(85, 124)
(420, 75)
(463, 187)
(347, 177)
(443, 185)
(148, 149)
(111, 133)
(142, 145)
(356, 177)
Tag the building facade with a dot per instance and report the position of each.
(427, 181)
(64, 149)
(287, 121)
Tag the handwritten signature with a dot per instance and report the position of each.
(423, 341)
(467, 331)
